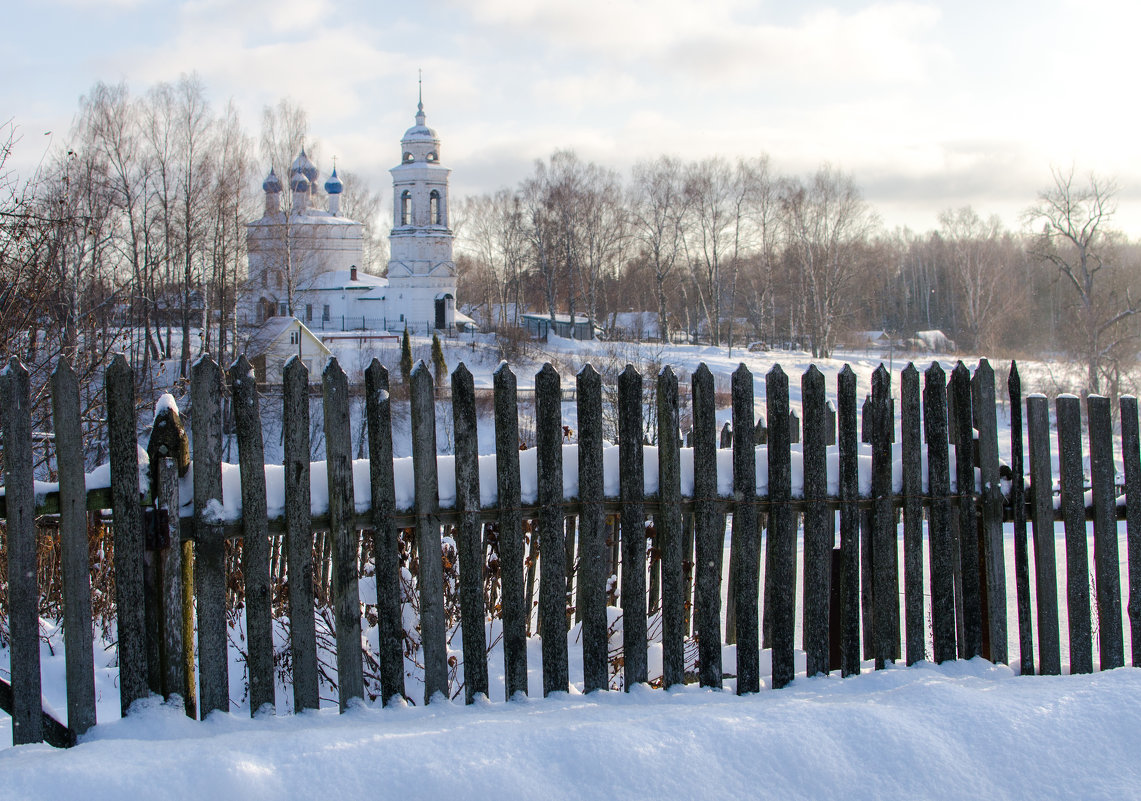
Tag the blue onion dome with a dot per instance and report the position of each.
(298, 183)
(272, 183)
(306, 167)
(334, 186)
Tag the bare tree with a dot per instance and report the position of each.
(975, 255)
(827, 224)
(1072, 220)
(658, 212)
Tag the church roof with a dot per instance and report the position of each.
(336, 280)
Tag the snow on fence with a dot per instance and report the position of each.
(170, 565)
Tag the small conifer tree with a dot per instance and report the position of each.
(439, 364)
(406, 358)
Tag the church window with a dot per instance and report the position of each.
(434, 207)
(409, 158)
(325, 313)
(432, 156)
(405, 207)
(308, 312)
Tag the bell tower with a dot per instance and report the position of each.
(421, 270)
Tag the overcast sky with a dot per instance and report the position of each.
(929, 104)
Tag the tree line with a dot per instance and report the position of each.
(731, 253)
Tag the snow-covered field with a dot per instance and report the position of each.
(960, 730)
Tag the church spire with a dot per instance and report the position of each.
(420, 99)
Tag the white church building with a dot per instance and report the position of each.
(320, 252)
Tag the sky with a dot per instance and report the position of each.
(929, 105)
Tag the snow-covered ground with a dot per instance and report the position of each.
(964, 730)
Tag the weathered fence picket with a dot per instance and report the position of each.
(967, 570)
(1069, 411)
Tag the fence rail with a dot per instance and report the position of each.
(853, 604)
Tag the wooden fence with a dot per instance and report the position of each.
(851, 594)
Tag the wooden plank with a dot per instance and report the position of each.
(433, 631)
(592, 567)
(885, 593)
(515, 613)
(670, 531)
(983, 400)
(1042, 517)
(631, 488)
(386, 545)
(1069, 418)
(940, 546)
(849, 578)
(1131, 458)
(67, 424)
(552, 545)
(172, 615)
(709, 535)
(255, 537)
(818, 535)
(469, 534)
(299, 535)
(746, 543)
(23, 590)
(210, 553)
(960, 401)
(128, 532)
(912, 448)
(1018, 509)
(782, 529)
(867, 547)
(1111, 643)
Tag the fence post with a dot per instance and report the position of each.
(669, 524)
(170, 458)
(885, 577)
(632, 487)
(849, 577)
(342, 532)
(940, 545)
(708, 539)
(1131, 457)
(993, 550)
(960, 392)
(1018, 508)
(1111, 644)
(745, 553)
(1042, 517)
(386, 547)
(592, 531)
(128, 513)
(67, 422)
(255, 536)
(468, 540)
(782, 529)
(912, 448)
(299, 534)
(551, 532)
(210, 570)
(23, 590)
(432, 628)
(818, 534)
(1069, 412)
(514, 612)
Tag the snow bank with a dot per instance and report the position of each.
(963, 730)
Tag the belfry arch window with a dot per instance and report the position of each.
(434, 208)
(405, 207)
(409, 158)
(432, 156)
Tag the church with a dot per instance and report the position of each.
(306, 261)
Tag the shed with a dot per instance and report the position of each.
(279, 338)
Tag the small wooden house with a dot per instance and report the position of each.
(271, 345)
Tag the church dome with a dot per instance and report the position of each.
(334, 186)
(272, 183)
(420, 130)
(303, 165)
(298, 183)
